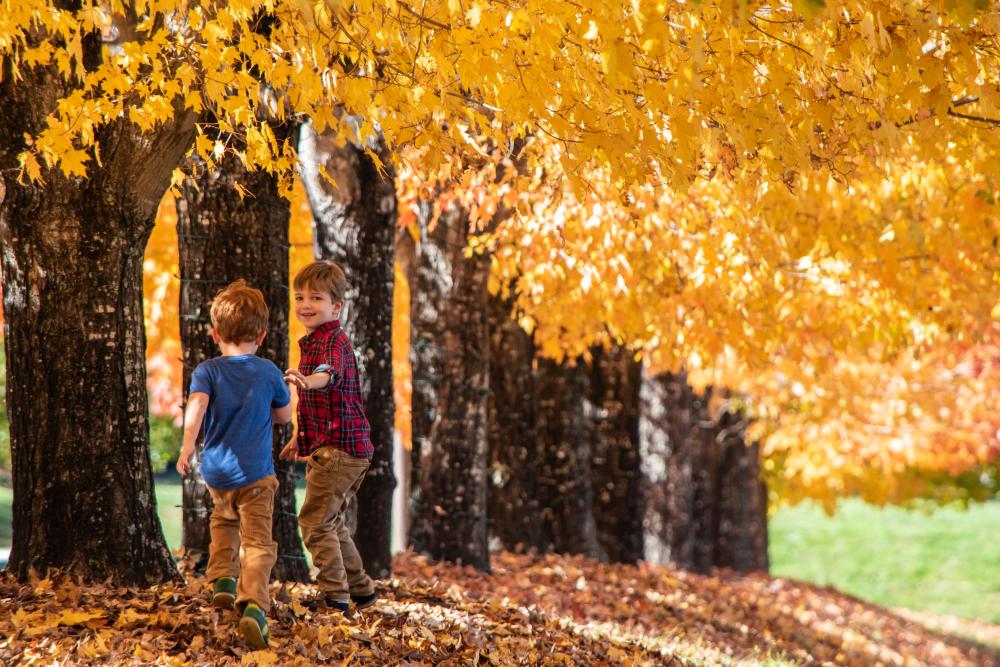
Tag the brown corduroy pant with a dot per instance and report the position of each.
(244, 515)
(332, 477)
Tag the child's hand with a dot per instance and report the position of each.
(184, 461)
(294, 377)
(290, 451)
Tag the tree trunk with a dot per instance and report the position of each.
(616, 478)
(450, 344)
(354, 224)
(706, 503)
(742, 498)
(566, 432)
(222, 238)
(514, 510)
(75, 342)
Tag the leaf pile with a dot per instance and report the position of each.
(531, 610)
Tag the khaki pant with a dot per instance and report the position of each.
(244, 514)
(332, 477)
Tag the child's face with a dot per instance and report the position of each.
(314, 309)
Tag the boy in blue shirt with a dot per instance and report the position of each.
(238, 396)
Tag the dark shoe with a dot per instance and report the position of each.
(343, 607)
(224, 592)
(253, 625)
(364, 601)
(320, 604)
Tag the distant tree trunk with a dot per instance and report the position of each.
(514, 510)
(354, 224)
(450, 343)
(616, 478)
(566, 433)
(664, 419)
(222, 238)
(75, 341)
(742, 498)
(706, 503)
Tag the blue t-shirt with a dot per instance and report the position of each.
(241, 392)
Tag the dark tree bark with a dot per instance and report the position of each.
(354, 224)
(616, 479)
(514, 512)
(450, 356)
(222, 238)
(706, 502)
(566, 432)
(742, 494)
(75, 340)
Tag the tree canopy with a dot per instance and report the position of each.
(778, 195)
(674, 89)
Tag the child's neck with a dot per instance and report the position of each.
(309, 330)
(237, 349)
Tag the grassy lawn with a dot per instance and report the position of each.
(6, 515)
(947, 562)
(168, 500)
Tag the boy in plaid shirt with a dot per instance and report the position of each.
(332, 435)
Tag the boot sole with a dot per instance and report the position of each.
(223, 600)
(252, 633)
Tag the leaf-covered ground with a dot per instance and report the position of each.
(544, 610)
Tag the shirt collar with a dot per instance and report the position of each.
(320, 332)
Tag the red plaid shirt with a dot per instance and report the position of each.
(334, 415)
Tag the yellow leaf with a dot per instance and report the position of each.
(74, 162)
(70, 617)
(242, 191)
(22, 618)
(259, 658)
(29, 165)
(128, 616)
(203, 145)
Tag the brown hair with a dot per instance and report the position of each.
(239, 314)
(323, 276)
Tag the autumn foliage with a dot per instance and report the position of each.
(552, 610)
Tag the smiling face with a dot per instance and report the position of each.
(315, 308)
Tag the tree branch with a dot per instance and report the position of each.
(786, 43)
(424, 19)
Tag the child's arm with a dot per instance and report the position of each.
(290, 452)
(282, 415)
(320, 377)
(194, 415)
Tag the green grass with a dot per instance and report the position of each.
(168, 500)
(6, 515)
(946, 562)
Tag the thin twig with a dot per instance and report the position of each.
(424, 19)
(786, 43)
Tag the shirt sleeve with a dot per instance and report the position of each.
(333, 356)
(201, 380)
(282, 396)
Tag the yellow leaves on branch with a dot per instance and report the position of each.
(888, 432)
(860, 293)
(751, 87)
(768, 273)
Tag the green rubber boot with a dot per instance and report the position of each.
(253, 625)
(224, 592)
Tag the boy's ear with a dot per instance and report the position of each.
(260, 338)
(215, 336)
(338, 306)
